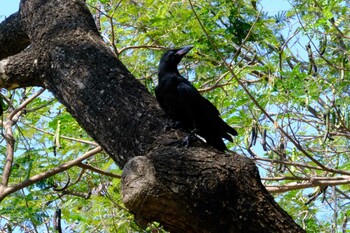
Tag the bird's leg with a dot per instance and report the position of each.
(191, 137)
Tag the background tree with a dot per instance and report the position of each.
(294, 122)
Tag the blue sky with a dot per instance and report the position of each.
(7, 7)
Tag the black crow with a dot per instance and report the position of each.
(186, 106)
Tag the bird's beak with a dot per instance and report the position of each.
(184, 50)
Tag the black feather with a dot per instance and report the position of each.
(184, 104)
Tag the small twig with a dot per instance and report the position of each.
(75, 193)
(20, 225)
(82, 172)
(97, 170)
(345, 223)
(306, 184)
(153, 47)
(213, 87)
(113, 42)
(62, 136)
(55, 188)
(342, 193)
(343, 172)
(283, 178)
(40, 107)
(25, 103)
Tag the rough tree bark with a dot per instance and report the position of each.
(196, 189)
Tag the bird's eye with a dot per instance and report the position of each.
(169, 56)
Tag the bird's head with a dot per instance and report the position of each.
(172, 58)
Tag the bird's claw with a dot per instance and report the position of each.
(189, 139)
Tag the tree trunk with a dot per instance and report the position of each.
(195, 189)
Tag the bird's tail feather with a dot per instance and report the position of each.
(216, 142)
(227, 136)
(228, 130)
(231, 131)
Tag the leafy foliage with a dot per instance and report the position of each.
(293, 63)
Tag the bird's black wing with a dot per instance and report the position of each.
(167, 96)
(205, 108)
(206, 118)
(160, 99)
(193, 99)
(203, 114)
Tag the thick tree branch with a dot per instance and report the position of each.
(20, 70)
(12, 38)
(197, 184)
